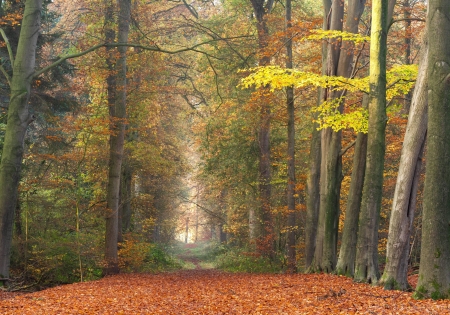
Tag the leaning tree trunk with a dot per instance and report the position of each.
(434, 272)
(403, 205)
(366, 268)
(19, 118)
(117, 139)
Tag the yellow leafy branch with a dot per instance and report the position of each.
(400, 80)
(345, 36)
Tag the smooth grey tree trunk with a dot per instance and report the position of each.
(330, 172)
(117, 139)
(404, 202)
(366, 267)
(19, 118)
(313, 181)
(434, 271)
(347, 253)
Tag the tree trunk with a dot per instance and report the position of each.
(313, 181)
(434, 272)
(347, 253)
(126, 197)
(312, 197)
(291, 234)
(330, 173)
(117, 139)
(403, 205)
(366, 268)
(266, 237)
(18, 120)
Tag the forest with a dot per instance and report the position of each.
(297, 140)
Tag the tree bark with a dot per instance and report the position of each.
(19, 118)
(266, 237)
(126, 197)
(291, 234)
(117, 139)
(434, 272)
(366, 268)
(313, 181)
(347, 253)
(403, 205)
(326, 239)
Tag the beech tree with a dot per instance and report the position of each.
(313, 180)
(405, 195)
(434, 271)
(291, 147)
(264, 219)
(19, 118)
(117, 98)
(325, 251)
(366, 266)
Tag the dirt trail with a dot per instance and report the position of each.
(188, 256)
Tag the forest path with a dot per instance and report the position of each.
(194, 255)
(215, 292)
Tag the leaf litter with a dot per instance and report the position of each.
(215, 292)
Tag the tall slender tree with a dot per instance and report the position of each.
(117, 103)
(330, 171)
(313, 181)
(345, 264)
(291, 235)
(366, 267)
(261, 8)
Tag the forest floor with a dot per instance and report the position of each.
(209, 291)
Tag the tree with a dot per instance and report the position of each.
(366, 267)
(405, 195)
(19, 118)
(291, 147)
(330, 169)
(117, 103)
(313, 181)
(434, 272)
(347, 252)
(261, 8)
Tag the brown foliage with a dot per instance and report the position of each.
(213, 292)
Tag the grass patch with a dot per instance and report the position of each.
(241, 260)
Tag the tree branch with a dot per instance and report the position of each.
(405, 19)
(8, 46)
(344, 150)
(8, 78)
(143, 47)
(210, 212)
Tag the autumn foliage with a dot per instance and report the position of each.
(214, 292)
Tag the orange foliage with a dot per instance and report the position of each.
(213, 292)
